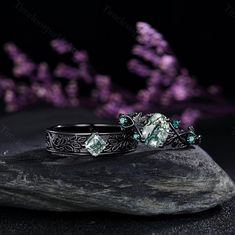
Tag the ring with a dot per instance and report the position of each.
(94, 139)
(156, 130)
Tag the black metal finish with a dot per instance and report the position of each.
(70, 139)
(177, 137)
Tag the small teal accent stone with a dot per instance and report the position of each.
(191, 138)
(122, 120)
(136, 136)
(176, 124)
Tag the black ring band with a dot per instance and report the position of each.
(83, 139)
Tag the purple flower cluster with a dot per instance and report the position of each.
(167, 82)
(39, 83)
(23, 66)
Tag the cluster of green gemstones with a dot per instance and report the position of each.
(190, 138)
(154, 133)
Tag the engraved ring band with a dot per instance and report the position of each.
(89, 139)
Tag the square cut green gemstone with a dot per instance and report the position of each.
(95, 144)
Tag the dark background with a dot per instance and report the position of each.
(201, 34)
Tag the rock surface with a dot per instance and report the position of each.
(147, 182)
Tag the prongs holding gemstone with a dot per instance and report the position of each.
(156, 130)
(95, 144)
(168, 119)
(198, 139)
(191, 128)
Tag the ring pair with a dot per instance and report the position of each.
(154, 130)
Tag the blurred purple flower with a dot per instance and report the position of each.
(189, 116)
(66, 71)
(167, 83)
(80, 57)
(43, 73)
(23, 66)
(61, 46)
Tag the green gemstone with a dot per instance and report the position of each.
(156, 130)
(95, 144)
(191, 138)
(176, 124)
(122, 120)
(136, 136)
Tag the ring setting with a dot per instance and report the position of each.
(89, 139)
(157, 131)
(154, 130)
(95, 144)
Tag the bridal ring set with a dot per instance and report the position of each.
(154, 130)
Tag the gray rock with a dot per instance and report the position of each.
(147, 182)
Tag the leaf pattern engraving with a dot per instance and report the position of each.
(120, 143)
(62, 143)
